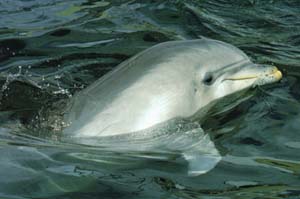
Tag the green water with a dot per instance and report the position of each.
(51, 49)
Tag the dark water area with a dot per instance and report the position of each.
(51, 49)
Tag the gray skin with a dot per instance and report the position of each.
(170, 80)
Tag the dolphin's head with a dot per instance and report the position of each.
(224, 70)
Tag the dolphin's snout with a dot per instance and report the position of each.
(276, 74)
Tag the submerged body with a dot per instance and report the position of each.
(170, 80)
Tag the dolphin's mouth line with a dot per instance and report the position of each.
(275, 73)
(241, 78)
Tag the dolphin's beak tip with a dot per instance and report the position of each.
(277, 74)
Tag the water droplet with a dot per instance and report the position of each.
(22, 33)
(57, 77)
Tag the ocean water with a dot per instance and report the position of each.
(51, 49)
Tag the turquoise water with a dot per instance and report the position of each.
(50, 50)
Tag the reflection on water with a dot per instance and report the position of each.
(49, 50)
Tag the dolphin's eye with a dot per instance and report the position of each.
(208, 79)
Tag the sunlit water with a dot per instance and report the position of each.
(51, 49)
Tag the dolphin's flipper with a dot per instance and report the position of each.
(202, 158)
(198, 150)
